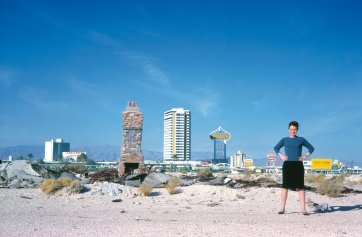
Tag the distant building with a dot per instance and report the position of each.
(177, 135)
(238, 160)
(72, 155)
(220, 137)
(54, 150)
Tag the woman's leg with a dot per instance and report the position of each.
(284, 199)
(302, 200)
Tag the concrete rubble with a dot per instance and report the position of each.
(110, 188)
(134, 180)
(156, 180)
(103, 188)
(19, 174)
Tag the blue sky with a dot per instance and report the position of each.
(68, 68)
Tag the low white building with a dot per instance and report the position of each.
(72, 155)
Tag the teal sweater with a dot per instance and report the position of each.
(293, 147)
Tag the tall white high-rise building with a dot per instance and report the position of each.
(54, 150)
(177, 135)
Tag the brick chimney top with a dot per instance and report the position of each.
(132, 106)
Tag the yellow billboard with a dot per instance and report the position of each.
(321, 164)
(248, 163)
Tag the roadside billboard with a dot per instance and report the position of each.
(321, 164)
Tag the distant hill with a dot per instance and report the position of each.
(17, 151)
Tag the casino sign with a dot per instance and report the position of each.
(220, 134)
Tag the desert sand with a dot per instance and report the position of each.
(196, 210)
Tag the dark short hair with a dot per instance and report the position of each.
(294, 123)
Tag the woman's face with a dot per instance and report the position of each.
(293, 131)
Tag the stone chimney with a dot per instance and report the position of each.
(131, 156)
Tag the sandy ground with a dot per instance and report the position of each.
(197, 210)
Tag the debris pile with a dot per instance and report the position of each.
(19, 174)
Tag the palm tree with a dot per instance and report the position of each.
(30, 156)
(82, 158)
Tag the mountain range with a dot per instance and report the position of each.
(96, 152)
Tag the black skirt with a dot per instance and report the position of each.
(293, 175)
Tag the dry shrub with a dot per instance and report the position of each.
(269, 178)
(330, 187)
(51, 186)
(145, 189)
(247, 174)
(204, 172)
(75, 168)
(65, 181)
(184, 172)
(340, 178)
(75, 186)
(313, 178)
(172, 185)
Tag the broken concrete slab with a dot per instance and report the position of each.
(132, 183)
(156, 180)
(19, 174)
(23, 165)
(68, 175)
(187, 182)
(136, 177)
(217, 181)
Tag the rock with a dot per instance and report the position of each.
(187, 182)
(217, 181)
(140, 177)
(231, 183)
(23, 166)
(240, 196)
(132, 183)
(239, 185)
(117, 200)
(17, 183)
(97, 193)
(20, 169)
(213, 204)
(318, 207)
(227, 180)
(19, 174)
(68, 175)
(110, 188)
(44, 173)
(84, 181)
(156, 180)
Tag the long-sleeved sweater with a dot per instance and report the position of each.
(293, 147)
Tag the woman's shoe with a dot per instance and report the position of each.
(305, 213)
(281, 212)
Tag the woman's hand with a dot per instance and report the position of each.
(302, 158)
(283, 157)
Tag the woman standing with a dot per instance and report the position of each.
(293, 169)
